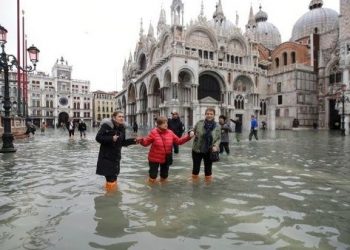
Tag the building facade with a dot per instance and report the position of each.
(104, 105)
(57, 98)
(212, 62)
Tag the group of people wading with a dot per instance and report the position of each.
(166, 136)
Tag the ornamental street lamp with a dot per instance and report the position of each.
(343, 99)
(7, 62)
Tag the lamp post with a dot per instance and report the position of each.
(7, 62)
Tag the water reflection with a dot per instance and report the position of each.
(111, 222)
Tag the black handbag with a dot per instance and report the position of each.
(214, 156)
(169, 159)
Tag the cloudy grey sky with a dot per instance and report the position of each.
(95, 36)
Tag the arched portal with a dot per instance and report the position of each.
(209, 85)
(143, 105)
(334, 117)
(131, 115)
(63, 118)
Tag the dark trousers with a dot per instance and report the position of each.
(224, 145)
(71, 133)
(111, 178)
(176, 148)
(253, 132)
(197, 159)
(153, 170)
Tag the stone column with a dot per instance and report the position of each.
(185, 121)
(271, 117)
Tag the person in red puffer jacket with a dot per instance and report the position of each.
(160, 154)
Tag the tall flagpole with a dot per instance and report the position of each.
(18, 59)
(23, 64)
(25, 89)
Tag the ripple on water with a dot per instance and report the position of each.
(292, 196)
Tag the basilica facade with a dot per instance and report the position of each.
(212, 62)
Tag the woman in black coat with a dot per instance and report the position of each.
(111, 136)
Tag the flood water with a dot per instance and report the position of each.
(289, 190)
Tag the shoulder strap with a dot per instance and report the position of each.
(162, 141)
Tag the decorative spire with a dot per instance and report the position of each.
(202, 10)
(237, 18)
(251, 16)
(314, 4)
(150, 30)
(161, 21)
(219, 13)
(141, 29)
(124, 65)
(130, 57)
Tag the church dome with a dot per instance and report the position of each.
(317, 20)
(266, 33)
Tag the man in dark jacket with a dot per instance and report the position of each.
(111, 136)
(82, 128)
(238, 128)
(175, 125)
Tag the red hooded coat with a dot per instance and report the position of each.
(159, 150)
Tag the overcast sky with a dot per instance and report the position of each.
(95, 36)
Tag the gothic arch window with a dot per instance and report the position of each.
(262, 107)
(239, 102)
(277, 62)
(293, 57)
(335, 75)
(285, 59)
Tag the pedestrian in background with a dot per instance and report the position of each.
(238, 128)
(111, 137)
(82, 128)
(225, 138)
(43, 128)
(30, 127)
(253, 128)
(160, 154)
(135, 127)
(177, 127)
(207, 138)
(71, 128)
